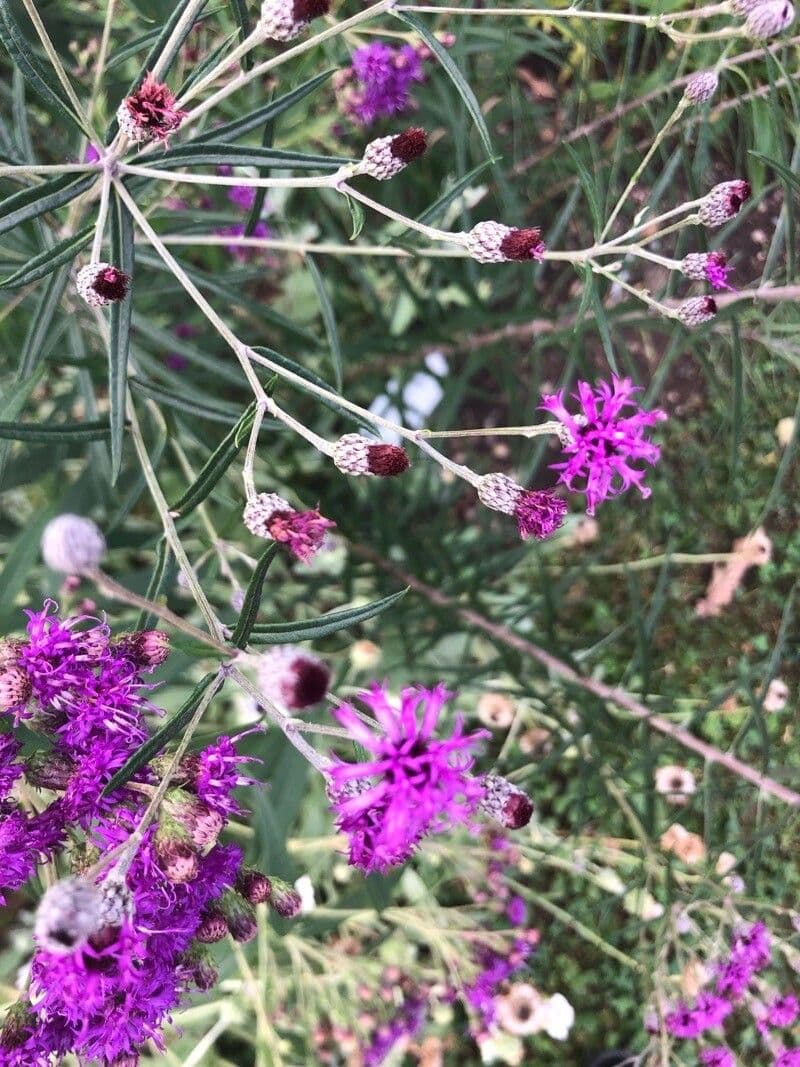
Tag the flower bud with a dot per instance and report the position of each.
(292, 678)
(769, 19)
(270, 516)
(202, 970)
(212, 928)
(492, 242)
(281, 20)
(10, 649)
(175, 852)
(285, 900)
(386, 156)
(539, 513)
(707, 266)
(69, 913)
(254, 886)
(15, 688)
(697, 310)
(202, 823)
(147, 649)
(72, 544)
(49, 770)
(101, 284)
(354, 454)
(724, 202)
(505, 803)
(744, 7)
(701, 86)
(239, 915)
(150, 113)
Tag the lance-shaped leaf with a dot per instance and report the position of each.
(217, 464)
(158, 578)
(252, 598)
(223, 412)
(35, 200)
(60, 433)
(242, 16)
(234, 155)
(47, 260)
(280, 632)
(122, 254)
(329, 318)
(303, 372)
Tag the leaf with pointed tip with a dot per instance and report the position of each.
(226, 413)
(157, 581)
(234, 155)
(356, 215)
(216, 465)
(47, 260)
(281, 633)
(252, 598)
(122, 254)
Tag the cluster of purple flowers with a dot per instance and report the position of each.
(736, 986)
(379, 81)
(104, 982)
(416, 783)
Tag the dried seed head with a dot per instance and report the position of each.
(354, 454)
(101, 284)
(281, 20)
(67, 916)
(148, 649)
(724, 202)
(15, 688)
(505, 803)
(150, 113)
(254, 886)
(492, 242)
(697, 310)
(72, 544)
(769, 19)
(212, 928)
(701, 86)
(303, 532)
(292, 678)
(386, 156)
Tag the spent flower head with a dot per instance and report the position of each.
(150, 112)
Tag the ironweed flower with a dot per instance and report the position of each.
(379, 81)
(505, 803)
(386, 156)
(101, 284)
(272, 517)
(697, 310)
(717, 1056)
(150, 113)
(707, 266)
(492, 242)
(355, 455)
(415, 783)
(281, 20)
(701, 86)
(292, 677)
(769, 19)
(539, 512)
(602, 442)
(724, 202)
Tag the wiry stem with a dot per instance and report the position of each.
(303, 248)
(318, 181)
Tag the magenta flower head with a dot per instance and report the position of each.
(150, 113)
(602, 441)
(492, 242)
(717, 1056)
(386, 156)
(270, 516)
(539, 512)
(101, 284)
(415, 784)
(281, 20)
(707, 267)
(724, 202)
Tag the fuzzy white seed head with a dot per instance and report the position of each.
(260, 509)
(67, 916)
(72, 544)
(500, 493)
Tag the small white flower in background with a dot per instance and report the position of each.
(495, 711)
(726, 861)
(305, 887)
(518, 1009)
(365, 655)
(676, 783)
(693, 977)
(501, 1048)
(558, 1017)
(776, 696)
(784, 431)
(72, 544)
(642, 904)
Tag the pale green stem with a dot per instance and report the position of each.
(100, 65)
(181, 177)
(691, 220)
(681, 559)
(323, 446)
(48, 168)
(250, 455)
(657, 221)
(657, 140)
(455, 468)
(429, 231)
(250, 42)
(186, 20)
(102, 214)
(497, 431)
(637, 250)
(640, 294)
(303, 248)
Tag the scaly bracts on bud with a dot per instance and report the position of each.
(386, 156)
(72, 544)
(697, 310)
(701, 86)
(281, 20)
(285, 901)
(147, 649)
(492, 242)
(355, 455)
(101, 284)
(254, 886)
(707, 267)
(270, 516)
(506, 803)
(15, 688)
(724, 202)
(769, 19)
(150, 113)
(539, 512)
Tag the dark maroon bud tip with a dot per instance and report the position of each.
(212, 928)
(286, 903)
(710, 305)
(522, 244)
(111, 283)
(387, 460)
(410, 144)
(312, 679)
(518, 811)
(306, 10)
(254, 886)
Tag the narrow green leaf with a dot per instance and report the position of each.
(229, 131)
(226, 413)
(36, 73)
(278, 633)
(459, 81)
(589, 187)
(207, 64)
(329, 318)
(35, 200)
(22, 555)
(357, 215)
(788, 175)
(217, 464)
(49, 303)
(161, 568)
(46, 261)
(242, 17)
(260, 193)
(221, 154)
(66, 432)
(252, 599)
(153, 745)
(15, 396)
(122, 253)
(446, 199)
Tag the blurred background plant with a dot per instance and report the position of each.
(644, 857)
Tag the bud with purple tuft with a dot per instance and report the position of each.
(769, 19)
(254, 886)
(701, 86)
(354, 454)
(724, 202)
(492, 242)
(72, 544)
(213, 927)
(386, 156)
(150, 112)
(291, 677)
(697, 310)
(707, 267)
(202, 823)
(539, 513)
(281, 20)
(505, 803)
(270, 516)
(147, 649)
(101, 284)
(285, 900)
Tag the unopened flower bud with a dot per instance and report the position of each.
(15, 688)
(707, 267)
(285, 900)
(67, 916)
(147, 649)
(724, 202)
(175, 852)
(201, 969)
(492, 242)
(101, 284)
(505, 803)
(769, 19)
(150, 113)
(270, 516)
(386, 156)
(10, 649)
(239, 915)
(254, 886)
(354, 454)
(701, 86)
(697, 310)
(49, 770)
(281, 20)
(72, 544)
(539, 513)
(212, 928)
(292, 678)
(202, 823)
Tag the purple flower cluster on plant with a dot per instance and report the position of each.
(379, 81)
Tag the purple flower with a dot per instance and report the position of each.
(517, 911)
(783, 1011)
(752, 946)
(790, 1057)
(407, 1023)
(243, 196)
(415, 783)
(239, 252)
(733, 978)
(218, 774)
(91, 155)
(718, 1056)
(381, 78)
(685, 1022)
(494, 969)
(602, 442)
(9, 769)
